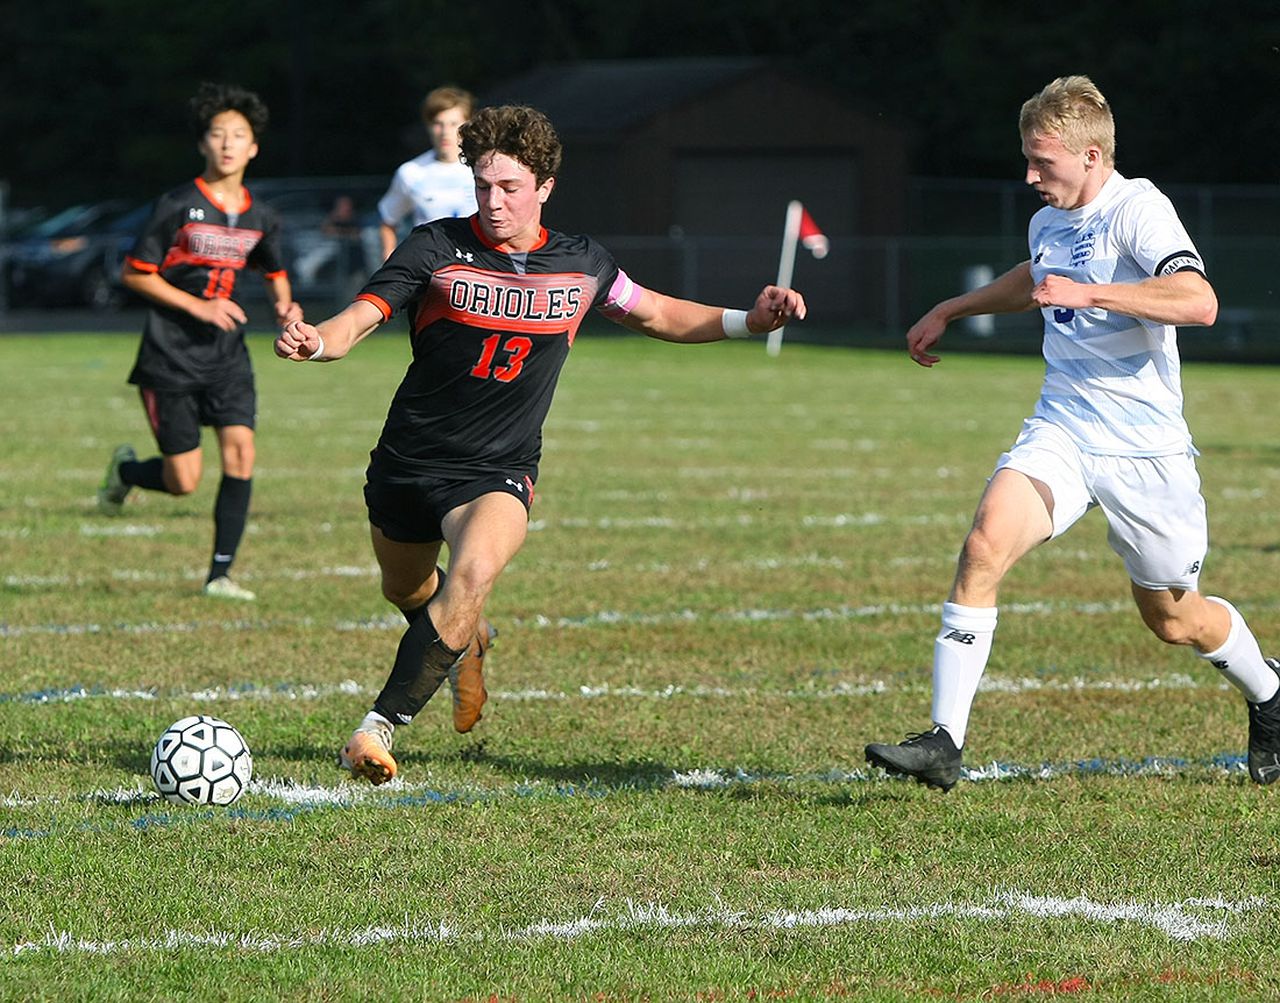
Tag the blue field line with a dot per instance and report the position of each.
(399, 795)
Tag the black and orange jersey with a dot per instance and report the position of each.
(490, 332)
(199, 248)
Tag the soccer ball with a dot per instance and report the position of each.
(201, 760)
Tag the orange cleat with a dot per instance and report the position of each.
(466, 679)
(368, 755)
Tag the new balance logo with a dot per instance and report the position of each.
(960, 637)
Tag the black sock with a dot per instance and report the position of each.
(230, 513)
(422, 664)
(412, 614)
(145, 474)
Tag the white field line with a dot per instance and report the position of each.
(1186, 921)
(35, 580)
(836, 520)
(402, 793)
(600, 618)
(600, 691)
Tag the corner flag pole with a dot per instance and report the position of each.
(786, 264)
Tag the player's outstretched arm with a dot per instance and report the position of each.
(330, 339)
(1008, 293)
(670, 319)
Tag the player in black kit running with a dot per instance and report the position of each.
(193, 367)
(494, 302)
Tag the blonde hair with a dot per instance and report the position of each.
(1074, 110)
(444, 98)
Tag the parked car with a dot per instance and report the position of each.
(74, 257)
(330, 225)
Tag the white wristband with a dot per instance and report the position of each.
(318, 354)
(734, 323)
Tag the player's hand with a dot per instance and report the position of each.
(287, 312)
(298, 341)
(224, 314)
(1058, 290)
(775, 307)
(924, 334)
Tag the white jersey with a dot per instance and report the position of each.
(1112, 382)
(429, 189)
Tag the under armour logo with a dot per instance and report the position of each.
(1221, 664)
(515, 484)
(466, 256)
(195, 213)
(960, 637)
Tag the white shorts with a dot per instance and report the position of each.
(1155, 513)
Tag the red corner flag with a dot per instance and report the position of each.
(813, 239)
(798, 229)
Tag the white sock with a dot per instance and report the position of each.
(1240, 659)
(959, 658)
(375, 720)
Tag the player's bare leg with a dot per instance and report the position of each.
(484, 535)
(1219, 634)
(1014, 516)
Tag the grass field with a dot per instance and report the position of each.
(732, 584)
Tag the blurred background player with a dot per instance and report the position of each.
(434, 184)
(192, 367)
(1112, 271)
(495, 301)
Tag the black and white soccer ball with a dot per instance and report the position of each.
(201, 760)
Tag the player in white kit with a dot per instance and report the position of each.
(1114, 273)
(436, 184)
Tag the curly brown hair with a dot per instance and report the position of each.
(521, 132)
(212, 100)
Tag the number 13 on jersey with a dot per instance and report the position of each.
(515, 349)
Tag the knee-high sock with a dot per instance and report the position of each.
(230, 513)
(1240, 659)
(145, 474)
(422, 663)
(960, 655)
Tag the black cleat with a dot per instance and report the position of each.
(1264, 736)
(933, 759)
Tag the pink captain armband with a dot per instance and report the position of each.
(623, 297)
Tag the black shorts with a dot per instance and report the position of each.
(176, 415)
(409, 507)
